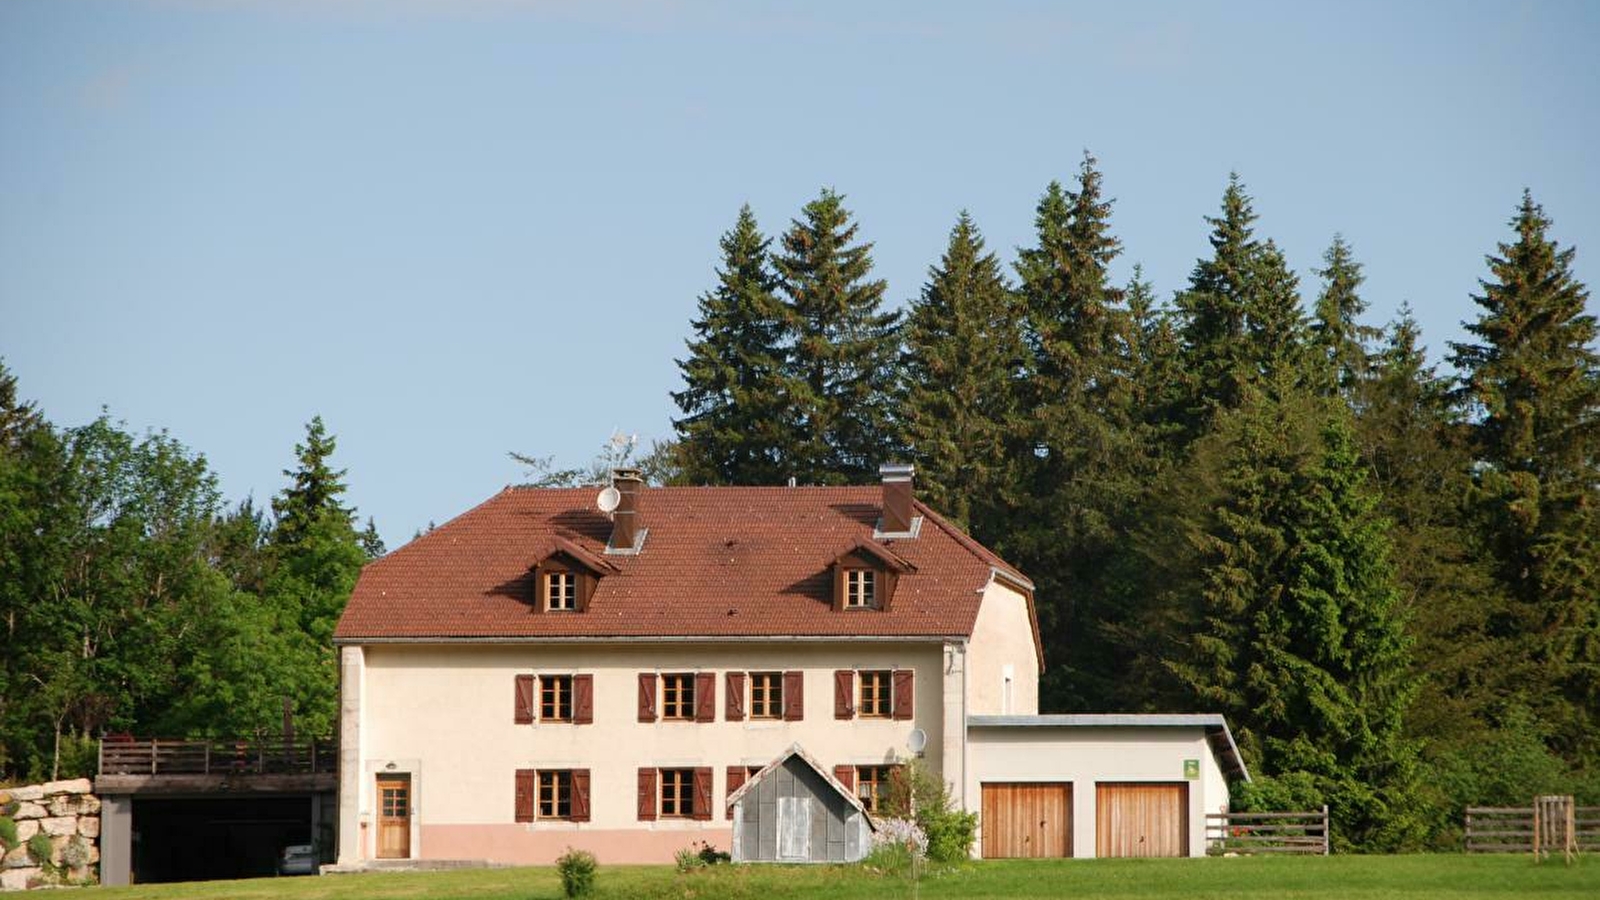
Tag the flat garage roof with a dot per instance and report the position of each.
(1216, 729)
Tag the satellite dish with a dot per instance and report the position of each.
(917, 741)
(609, 499)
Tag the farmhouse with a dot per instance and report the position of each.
(555, 669)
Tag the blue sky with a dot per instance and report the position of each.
(456, 229)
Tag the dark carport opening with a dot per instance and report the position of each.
(194, 839)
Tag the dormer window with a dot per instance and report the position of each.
(565, 579)
(858, 589)
(561, 591)
(864, 577)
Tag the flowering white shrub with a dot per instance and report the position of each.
(902, 833)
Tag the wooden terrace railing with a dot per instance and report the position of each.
(165, 756)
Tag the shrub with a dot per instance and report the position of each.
(687, 860)
(40, 848)
(916, 793)
(8, 833)
(710, 855)
(897, 846)
(577, 868)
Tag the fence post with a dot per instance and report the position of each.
(1326, 837)
(154, 756)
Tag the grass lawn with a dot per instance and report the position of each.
(1334, 878)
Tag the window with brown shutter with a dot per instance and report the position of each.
(647, 795)
(733, 709)
(904, 689)
(580, 795)
(555, 698)
(523, 714)
(875, 695)
(678, 788)
(794, 696)
(525, 785)
(702, 794)
(872, 786)
(766, 695)
(844, 694)
(705, 697)
(583, 699)
(845, 775)
(647, 696)
(677, 697)
(555, 794)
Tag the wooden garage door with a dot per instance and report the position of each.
(1022, 820)
(1141, 819)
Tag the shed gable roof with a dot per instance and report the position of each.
(795, 751)
(721, 562)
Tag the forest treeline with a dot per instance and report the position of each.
(1244, 500)
(132, 600)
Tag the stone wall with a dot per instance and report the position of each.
(56, 835)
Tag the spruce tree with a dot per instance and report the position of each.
(1298, 636)
(1241, 317)
(736, 424)
(845, 348)
(1078, 487)
(315, 489)
(1337, 338)
(960, 412)
(1532, 380)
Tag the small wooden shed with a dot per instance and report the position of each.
(794, 811)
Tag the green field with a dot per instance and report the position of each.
(1336, 877)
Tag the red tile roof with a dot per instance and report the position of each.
(717, 562)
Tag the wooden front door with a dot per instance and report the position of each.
(1141, 820)
(394, 816)
(1027, 820)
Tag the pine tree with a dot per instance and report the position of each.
(960, 412)
(736, 423)
(1533, 379)
(842, 364)
(1337, 338)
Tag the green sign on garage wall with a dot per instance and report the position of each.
(1191, 769)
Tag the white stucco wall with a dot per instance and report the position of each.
(443, 715)
(1003, 663)
(1083, 756)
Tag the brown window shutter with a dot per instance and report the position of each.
(734, 711)
(580, 795)
(524, 708)
(844, 694)
(794, 696)
(526, 782)
(838, 587)
(541, 591)
(705, 697)
(647, 696)
(845, 775)
(885, 596)
(582, 699)
(904, 689)
(647, 795)
(736, 779)
(702, 793)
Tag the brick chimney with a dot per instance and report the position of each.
(896, 498)
(627, 526)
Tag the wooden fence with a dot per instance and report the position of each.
(1510, 829)
(159, 756)
(1246, 833)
